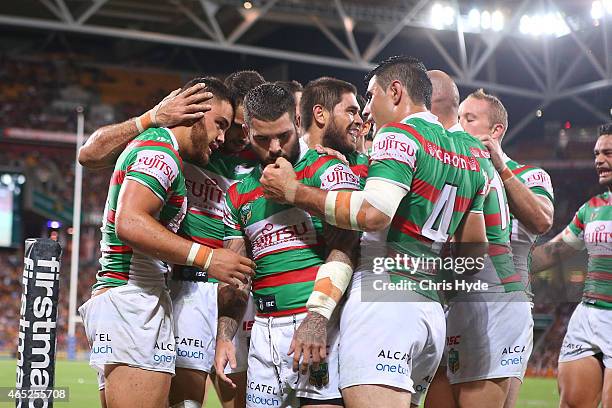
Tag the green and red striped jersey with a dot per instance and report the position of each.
(444, 181)
(152, 159)
(592, 225)
(285, 242)
(359, 162)
(499, 271)
(206, 188)
(522, 240)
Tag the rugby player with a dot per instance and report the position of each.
(296, 89)
(482, 322)
(128, 319)
(194, 295)
(289, 248)
(585, 360)
(530, 200)
(415, 174)
(330, 118)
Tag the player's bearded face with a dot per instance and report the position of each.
(271, 140)
(345, 125)
(603, 160)
(208, 133)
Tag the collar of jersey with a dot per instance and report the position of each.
(426, 116)
(456, 128)
(173, 138)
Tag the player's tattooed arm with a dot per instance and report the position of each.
(177, 109)
(552, 253)
(231, 303)
(310, 339)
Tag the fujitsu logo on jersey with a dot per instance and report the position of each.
(207, 191)
(391, 143)
(338, 177)
(157, 162)
(597, 232)
(537, 178)
(289, 229)
(451, 158)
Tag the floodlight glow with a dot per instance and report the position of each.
(597, 10)
(525, 25)
(437, 16)
(497, 20)
(6, 179)
(448, 16)
(474, 18)
(485, 20)
(607, 5)
(561, 26)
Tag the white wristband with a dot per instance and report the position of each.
(208, 260)
(139, 124)
(195, 247)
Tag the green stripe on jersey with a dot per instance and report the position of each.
(444, 180)
(153, 161)
(593, 225)
(284, 241)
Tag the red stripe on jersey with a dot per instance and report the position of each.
(598, 296)
(424, 189)
(577, 222)
(462, 204)
(247, 154)
(309, 171)
(209, 242)
(408, 228)
(298, 310)
(522, 168)
(150, 143)
(176, 200)
(438, 152)
(117, 177)
(598, 202)
(195, 211)
(599, 275)
(286, 278)
(492, 220)
(239, 199)
(289, 248)
(118, 249)
(497, 250)
(360, 170)
(512, 278)
(114, 275)
(110, 217)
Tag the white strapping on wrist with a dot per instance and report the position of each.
(208, 260)
(325, 297)
(330, 207)
(195, 247)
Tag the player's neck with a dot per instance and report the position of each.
(183, 137)
(313, 137)
(403, 111)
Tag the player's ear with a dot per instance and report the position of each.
(320, 115)
(397, 91)
(497, 131)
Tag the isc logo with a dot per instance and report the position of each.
(453, 340)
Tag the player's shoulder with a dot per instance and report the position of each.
(356, 158)
(245, 190)
(156, 140)
(599, 200)
(313, 162)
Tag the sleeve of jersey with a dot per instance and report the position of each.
(538, 181)
(334, 175)
(156, 169)
(574, 232)
(394, 157)
(231, 217)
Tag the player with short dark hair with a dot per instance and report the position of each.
(289, 247)
(404, 167)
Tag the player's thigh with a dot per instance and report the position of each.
(440, 393)
(489, 393)
(231, 397)
(366, 396)
(606, 398)
(513, 392)
(580, 382)
(188, 385)
(133, 387)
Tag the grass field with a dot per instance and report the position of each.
(83, 387)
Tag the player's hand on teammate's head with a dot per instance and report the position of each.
(182, 108)
(279, 181)
(328, 150)
(229, 267)
(494, 147)
(225, 352)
